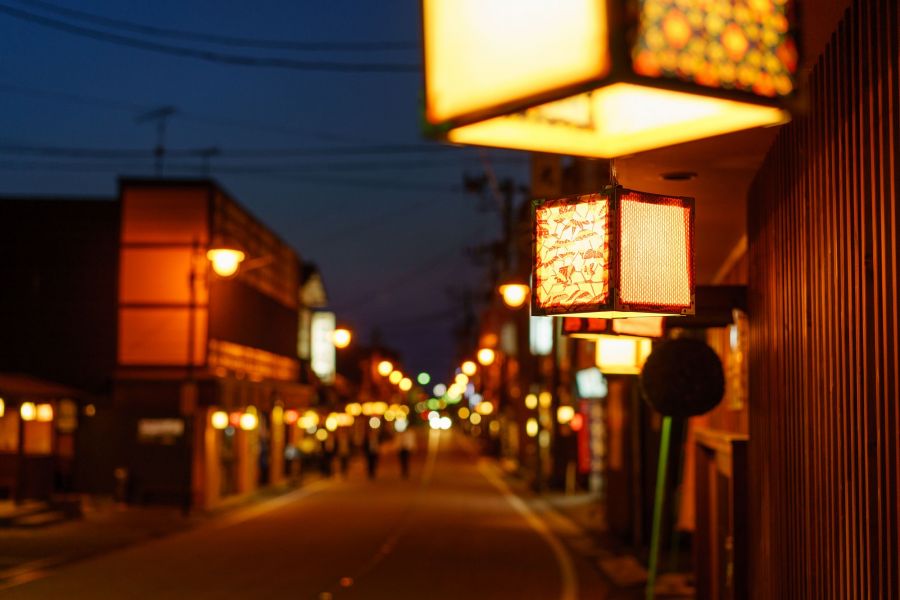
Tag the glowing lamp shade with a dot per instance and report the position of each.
(28, 411)
(225, 261)
(514, 294)
(486, 357)
(341, 337)
(604, 78)
(385, 367)
(219, 419)
(622, 355)
(469, 368)
(614, 254)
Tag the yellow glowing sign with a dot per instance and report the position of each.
(550, 77)
(622, 355)
(578, 237)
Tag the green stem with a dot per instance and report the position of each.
(658, 503)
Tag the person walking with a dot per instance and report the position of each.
(406, 443)
(343, 450)
(373, 448)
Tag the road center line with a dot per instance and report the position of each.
(567, 572)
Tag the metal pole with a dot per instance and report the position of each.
(658, 503)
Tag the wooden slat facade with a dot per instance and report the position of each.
(823, 229)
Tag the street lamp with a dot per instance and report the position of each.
(385, 368)
(486, 357)
(514, 294)
(395, 377)
(225, 261)
(341, 337)
(469, 368)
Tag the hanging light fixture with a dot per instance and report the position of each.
(590, 329)
(604, 78)
(614, 254)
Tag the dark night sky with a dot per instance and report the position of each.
(388, 230)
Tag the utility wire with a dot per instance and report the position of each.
(242, 42)
(207, 55)
(246, 153)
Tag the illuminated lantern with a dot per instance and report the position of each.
(622, 354)
(614, 254)
(604, 78)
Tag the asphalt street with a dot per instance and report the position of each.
(453, 530)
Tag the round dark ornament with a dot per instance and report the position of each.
(683, 378)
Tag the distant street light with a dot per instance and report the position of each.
(514, 294)
(486, 356)
(469, 368)
(405, 384)
(341, 337)
(385, 367)
(28, 411)
(219, 419)
(395, 377)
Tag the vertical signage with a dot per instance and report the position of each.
(323, 354)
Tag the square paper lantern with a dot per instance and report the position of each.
(614, 254)
(604, 78)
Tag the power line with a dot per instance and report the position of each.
(242, 42)
(207, 55)
(246, 153)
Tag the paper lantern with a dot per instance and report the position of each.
(604, 78)
(622, 354)
(614, 254)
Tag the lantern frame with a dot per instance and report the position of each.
(624, 44)
(614, 307)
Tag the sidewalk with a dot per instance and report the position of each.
(579, 521)
(107, 526)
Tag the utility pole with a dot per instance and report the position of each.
(160, 116)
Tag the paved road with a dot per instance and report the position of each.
(450, 532)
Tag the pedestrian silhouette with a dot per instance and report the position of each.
(406, 442)
(373, 447)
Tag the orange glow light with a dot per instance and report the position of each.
(578, 238)
(44, 413)
(225, 261)
(341, 337)
(514, 294)
(590, 329)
